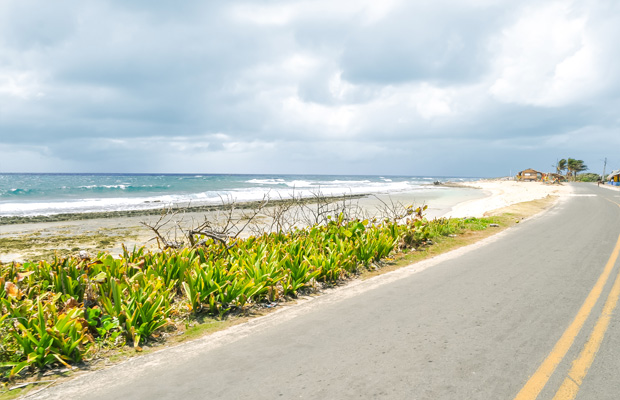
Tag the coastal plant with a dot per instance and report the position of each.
(134, 256)
(66, 278)
(299, 273)
(110, 294)
(380, 242)
(202, 282)
(233, 294)
(146, 309)
(107, 327)
(263, 268)
(53, 312)
(44, 336)
(9, 349)
(170, 265)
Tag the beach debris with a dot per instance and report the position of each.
(71, 303)
(11, 289)
(23, 275)
(22, 385)
(494, 225)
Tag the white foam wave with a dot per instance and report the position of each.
(266, 181)
(300, 184)
(275, 188)
(122, 187)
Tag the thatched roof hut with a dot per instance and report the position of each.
(529, 175)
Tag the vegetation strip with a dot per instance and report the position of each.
(62, 312)
(83, 308)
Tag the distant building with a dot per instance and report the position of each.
(529, 175)
(614, 178)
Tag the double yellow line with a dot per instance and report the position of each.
(579, 369)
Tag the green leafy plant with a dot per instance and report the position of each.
(54, 312)
(44, 336)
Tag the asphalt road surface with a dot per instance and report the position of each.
(529, 314)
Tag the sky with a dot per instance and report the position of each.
(447, 88)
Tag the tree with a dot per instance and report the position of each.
(588, 177)
(574, 166)
(560, 166)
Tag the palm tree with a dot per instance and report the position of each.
(580, 167)
(574, 167)
(560, 166)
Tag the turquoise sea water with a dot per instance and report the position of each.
(47, 194)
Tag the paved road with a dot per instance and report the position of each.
(476, 326)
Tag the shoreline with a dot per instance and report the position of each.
(505, 193)
(244, 205)
(43, 237)
(32, 238)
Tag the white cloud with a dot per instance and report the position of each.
(282, 13)
(268, 86)
(318, 120)
(546, 58)
(20, 84)
(432, 102)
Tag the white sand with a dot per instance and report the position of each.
(504, 193)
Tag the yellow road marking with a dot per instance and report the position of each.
(570, 387)
(535, 384)
(618, 204)
(579, 370)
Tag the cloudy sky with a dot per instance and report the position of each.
(468, 87)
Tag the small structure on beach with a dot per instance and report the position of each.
(614, 178)
(552, 177)
(530, 175)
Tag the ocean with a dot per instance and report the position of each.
(49, 194)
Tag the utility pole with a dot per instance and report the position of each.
(604, 166)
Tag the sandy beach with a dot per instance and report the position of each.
(31, 240)
(503, 194)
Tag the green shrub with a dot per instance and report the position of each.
(55, 312)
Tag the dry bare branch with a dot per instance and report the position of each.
(163, 239)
